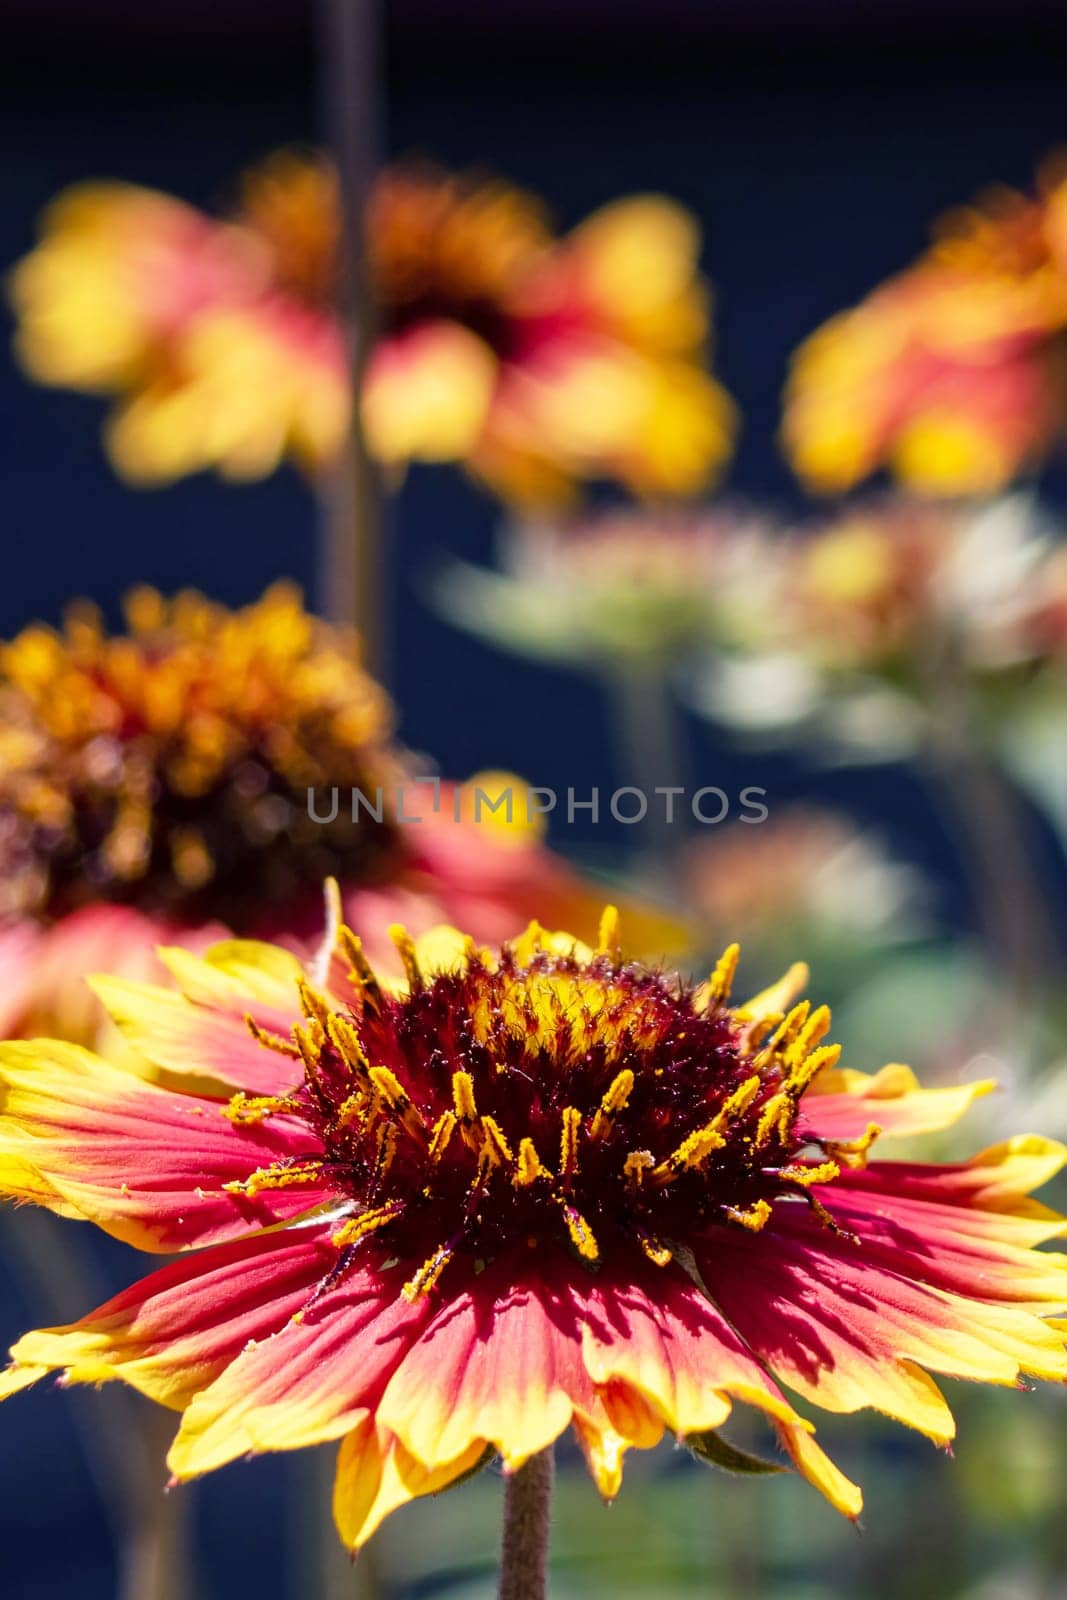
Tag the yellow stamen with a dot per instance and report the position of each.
(398, 1102)
(721, 981)
(463, 1098)
(428, 1274)
(771, 1116)
(754, 1217)
(740, 1100)
(568, 1144)
(275, 1176)
(581, 1233)
(357, 1228)
(758, 1031)
(309, 1043)
(853, 1152)
(659, 1254)
(816, 1028)
(530, 1166)
(613, 1101)
(690, 1153)
(315, 1006)
(790, 1028)
(246, 1110)
(405, 946)
(270, 1041)
(495, 1145)
(361, 973)
(806, 1068)
(825, 1172)
(442, 1132)
(608, 935)
(636, 1165)
(352, 1109)
(386, 1148)
(347, 1041)
(828, 1219)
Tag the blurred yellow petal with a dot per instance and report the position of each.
(426, 395)
(638, 263)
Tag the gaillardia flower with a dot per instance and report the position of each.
(518, 1190)
(534, 361)
(154, 789)
(880, 607)
(950, 373)
(633, 587)
(214, 336)
(806, 875)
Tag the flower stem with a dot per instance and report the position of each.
(353, 582)
(650, 757)
(527, 1513)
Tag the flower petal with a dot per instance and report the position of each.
(778, 997)
(91, 1140)
(236, 971)
(45, 969)
(197, 1048)
(198, 1033)
(998, 1179)
(376, 1475)
(312, 1380)
(427, 392)
(812, 1462)
(986, 1255)
(501, 1362)
(174, 1332)
(656, 1331)
(846, 1333)
(841, 1103)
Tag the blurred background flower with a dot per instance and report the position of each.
(618, 588)
(155, 789)
(805, 878)
(952, 373)
(535, 361)
(882, 610)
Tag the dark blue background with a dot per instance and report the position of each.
(815, 156)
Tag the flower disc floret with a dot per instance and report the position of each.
(547, 1096)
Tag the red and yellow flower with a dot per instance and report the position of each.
(205, 330)
(951, 373)
(154, 788)
(515, 1191)
(534, 361)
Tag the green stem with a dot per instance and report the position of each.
(527, 1514)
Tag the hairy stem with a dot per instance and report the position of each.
(527, 1513)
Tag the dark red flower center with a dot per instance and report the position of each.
(592, 1103)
